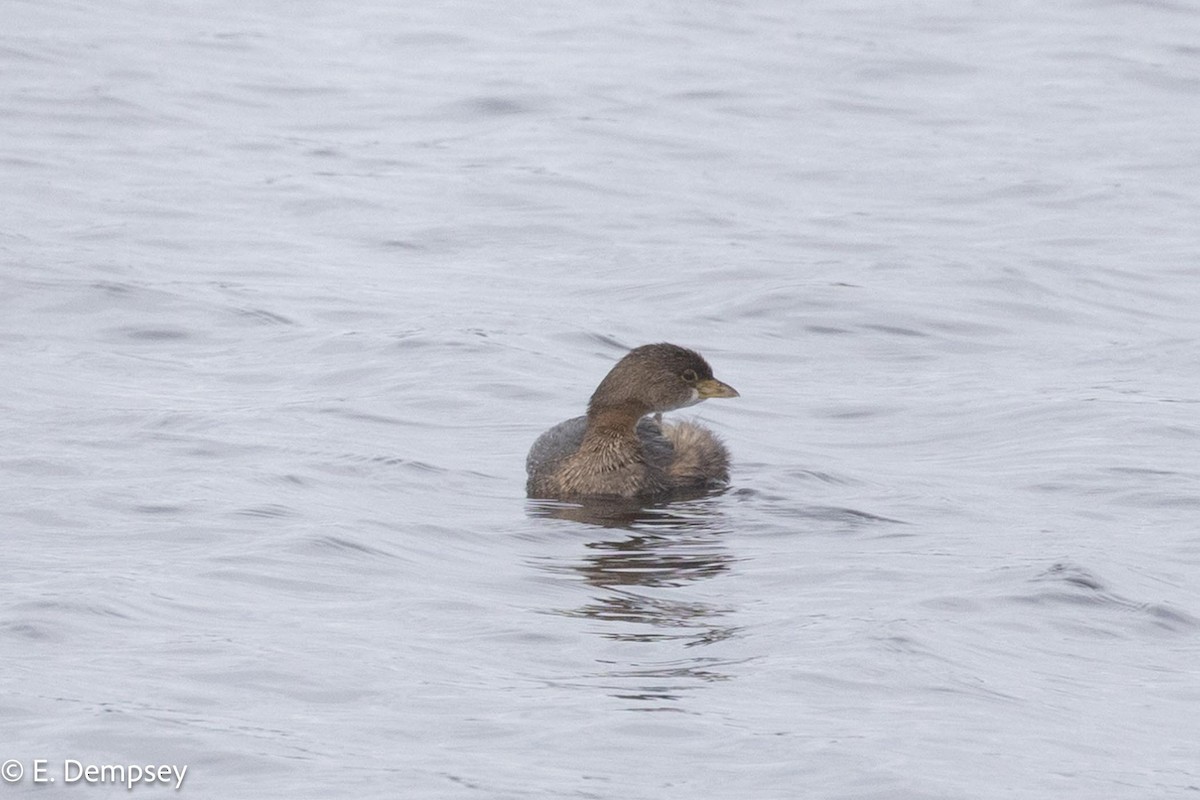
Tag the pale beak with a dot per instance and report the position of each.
(711, 387)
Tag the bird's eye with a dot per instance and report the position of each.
(689, 375)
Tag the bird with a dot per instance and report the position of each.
(621, 449)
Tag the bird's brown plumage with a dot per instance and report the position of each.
(618, 451)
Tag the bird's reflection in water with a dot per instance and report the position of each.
(644, 566)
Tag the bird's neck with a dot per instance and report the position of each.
(619, 421)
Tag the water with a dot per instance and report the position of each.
(288, 291)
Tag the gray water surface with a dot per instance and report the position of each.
(288, 290)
